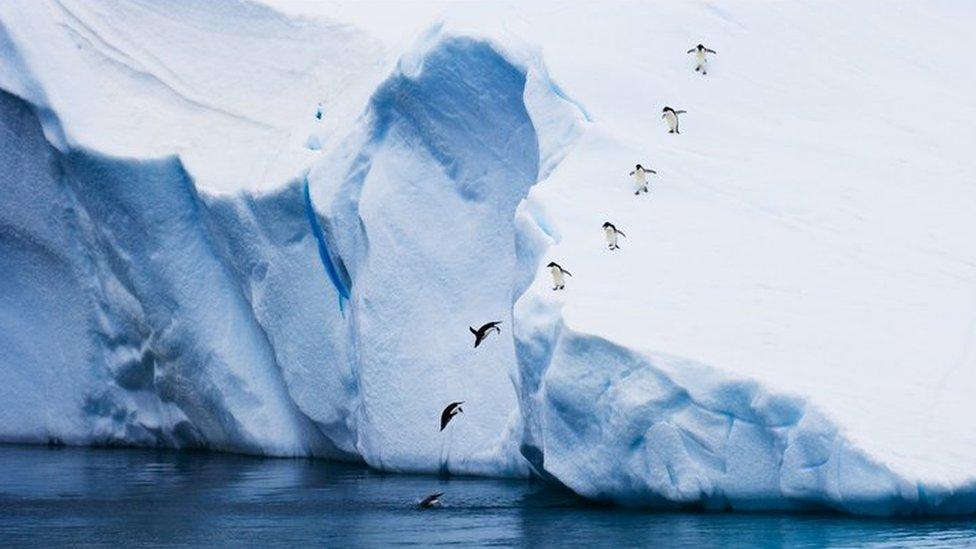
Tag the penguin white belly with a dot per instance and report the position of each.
(640, 180)
(671, 120)
(700, 58)
(611, 236)
(557, 277)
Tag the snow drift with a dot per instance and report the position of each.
(242, 275)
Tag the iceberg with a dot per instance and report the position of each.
(271, 236)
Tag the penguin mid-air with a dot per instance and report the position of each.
(701, 58)
(481, 333)
(670, 117)
(640, 178)
(432, 500)
(448, 414)
(558, 276)
(611, 233)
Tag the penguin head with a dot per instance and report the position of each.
(700, 47)
(639, 167)
(607, 225)
(552, 264)
(666, 109)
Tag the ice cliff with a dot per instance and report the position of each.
(189, 257)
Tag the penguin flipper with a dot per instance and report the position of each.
(621, 233)
(680, 112)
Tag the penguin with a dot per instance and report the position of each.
(640, 178)
(448, 414)
(611, 232)
(481, 333)
(670, 117)
(319, 111)
(432, 500)
(700, 52)
(558, 280)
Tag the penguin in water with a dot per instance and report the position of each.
(481, 333)
(701, 52)
(670, 117)
(640, 178)
(433, 500)
(611, 233)
(448, 414)
(558, 276)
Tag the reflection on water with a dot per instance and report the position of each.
(136, 497)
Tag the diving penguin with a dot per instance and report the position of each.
(558, 278)
(670, 117)
(611, 233)
(640, 178)
(448, 414)
(481, 333)
(432, 500)
(700, 52)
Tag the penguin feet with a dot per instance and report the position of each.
(636, 193)
(697, 69)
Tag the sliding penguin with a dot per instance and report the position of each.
(700, 52)
(670, 117)
(481, 333)
(640, 178)
(558, 278)
(448, 414)
(611, 233)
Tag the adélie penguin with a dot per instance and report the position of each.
(432, 500)
(558, 275)
(640, 178)
(670, 117)
(611, 233)
(701, 57)
(481, 333)
(448, 414)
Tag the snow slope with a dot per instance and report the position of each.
(191, 258)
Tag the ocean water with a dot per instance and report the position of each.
(131, 498)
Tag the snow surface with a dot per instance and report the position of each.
(191, 258)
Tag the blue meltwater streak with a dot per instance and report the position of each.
(323, 247)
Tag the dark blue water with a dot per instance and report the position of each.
(139, 498)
